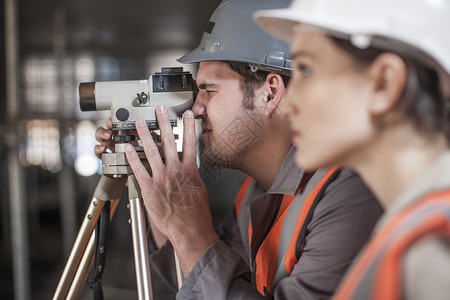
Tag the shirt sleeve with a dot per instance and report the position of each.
(229, 234)
(220, 273)
(341, 224)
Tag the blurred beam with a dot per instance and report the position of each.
(19, 224)
(66, 188)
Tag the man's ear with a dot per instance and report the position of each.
(276, 90)
(388, 74)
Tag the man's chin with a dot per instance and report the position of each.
(211, 161)
(212, 158)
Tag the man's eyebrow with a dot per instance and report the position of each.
(205, 86)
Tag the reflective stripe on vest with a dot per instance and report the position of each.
(378, 272)
(244, 193)
(279, 251)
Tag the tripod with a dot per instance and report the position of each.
(116, 172)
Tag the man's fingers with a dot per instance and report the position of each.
(103, 134)
(142, 175)
(167, 138)
(189, 138)
(109, 123)
(150, 148)
(99, 150)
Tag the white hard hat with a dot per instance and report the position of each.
(233, 36)
(422, 24)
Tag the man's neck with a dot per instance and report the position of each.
(264, 165)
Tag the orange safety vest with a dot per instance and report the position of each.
(378, 273)
(283, 244)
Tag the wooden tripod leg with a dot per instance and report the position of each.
(79, 247)
(107, 189)
(87, 261)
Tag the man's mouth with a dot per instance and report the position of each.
(205, 133)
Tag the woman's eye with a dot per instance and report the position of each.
(304, 70)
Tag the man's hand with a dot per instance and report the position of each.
(104, 137)
(174, 195)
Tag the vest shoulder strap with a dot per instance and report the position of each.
(288, 233)
(241, 201)
(296, 221)
(378, 272)
(245, 191)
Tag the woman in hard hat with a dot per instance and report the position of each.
(370, 90)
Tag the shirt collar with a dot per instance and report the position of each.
(288, 177)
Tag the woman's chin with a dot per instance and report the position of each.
(308, 162)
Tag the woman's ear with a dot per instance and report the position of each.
(388, 74)
(276, 91)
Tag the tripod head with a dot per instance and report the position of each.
(132, 99)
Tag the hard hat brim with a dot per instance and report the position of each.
(282, 23)
(198, 55)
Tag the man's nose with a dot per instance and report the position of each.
(199, 107)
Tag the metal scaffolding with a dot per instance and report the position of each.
(18, 212)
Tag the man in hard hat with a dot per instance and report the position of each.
(292, 233)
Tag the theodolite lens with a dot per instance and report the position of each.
(87, 96)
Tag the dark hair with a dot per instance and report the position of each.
(422, 100)
(250, 81)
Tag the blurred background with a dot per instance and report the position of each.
(48, 168)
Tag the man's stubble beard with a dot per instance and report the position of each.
(230, 148)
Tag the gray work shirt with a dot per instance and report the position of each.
(341, 223)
